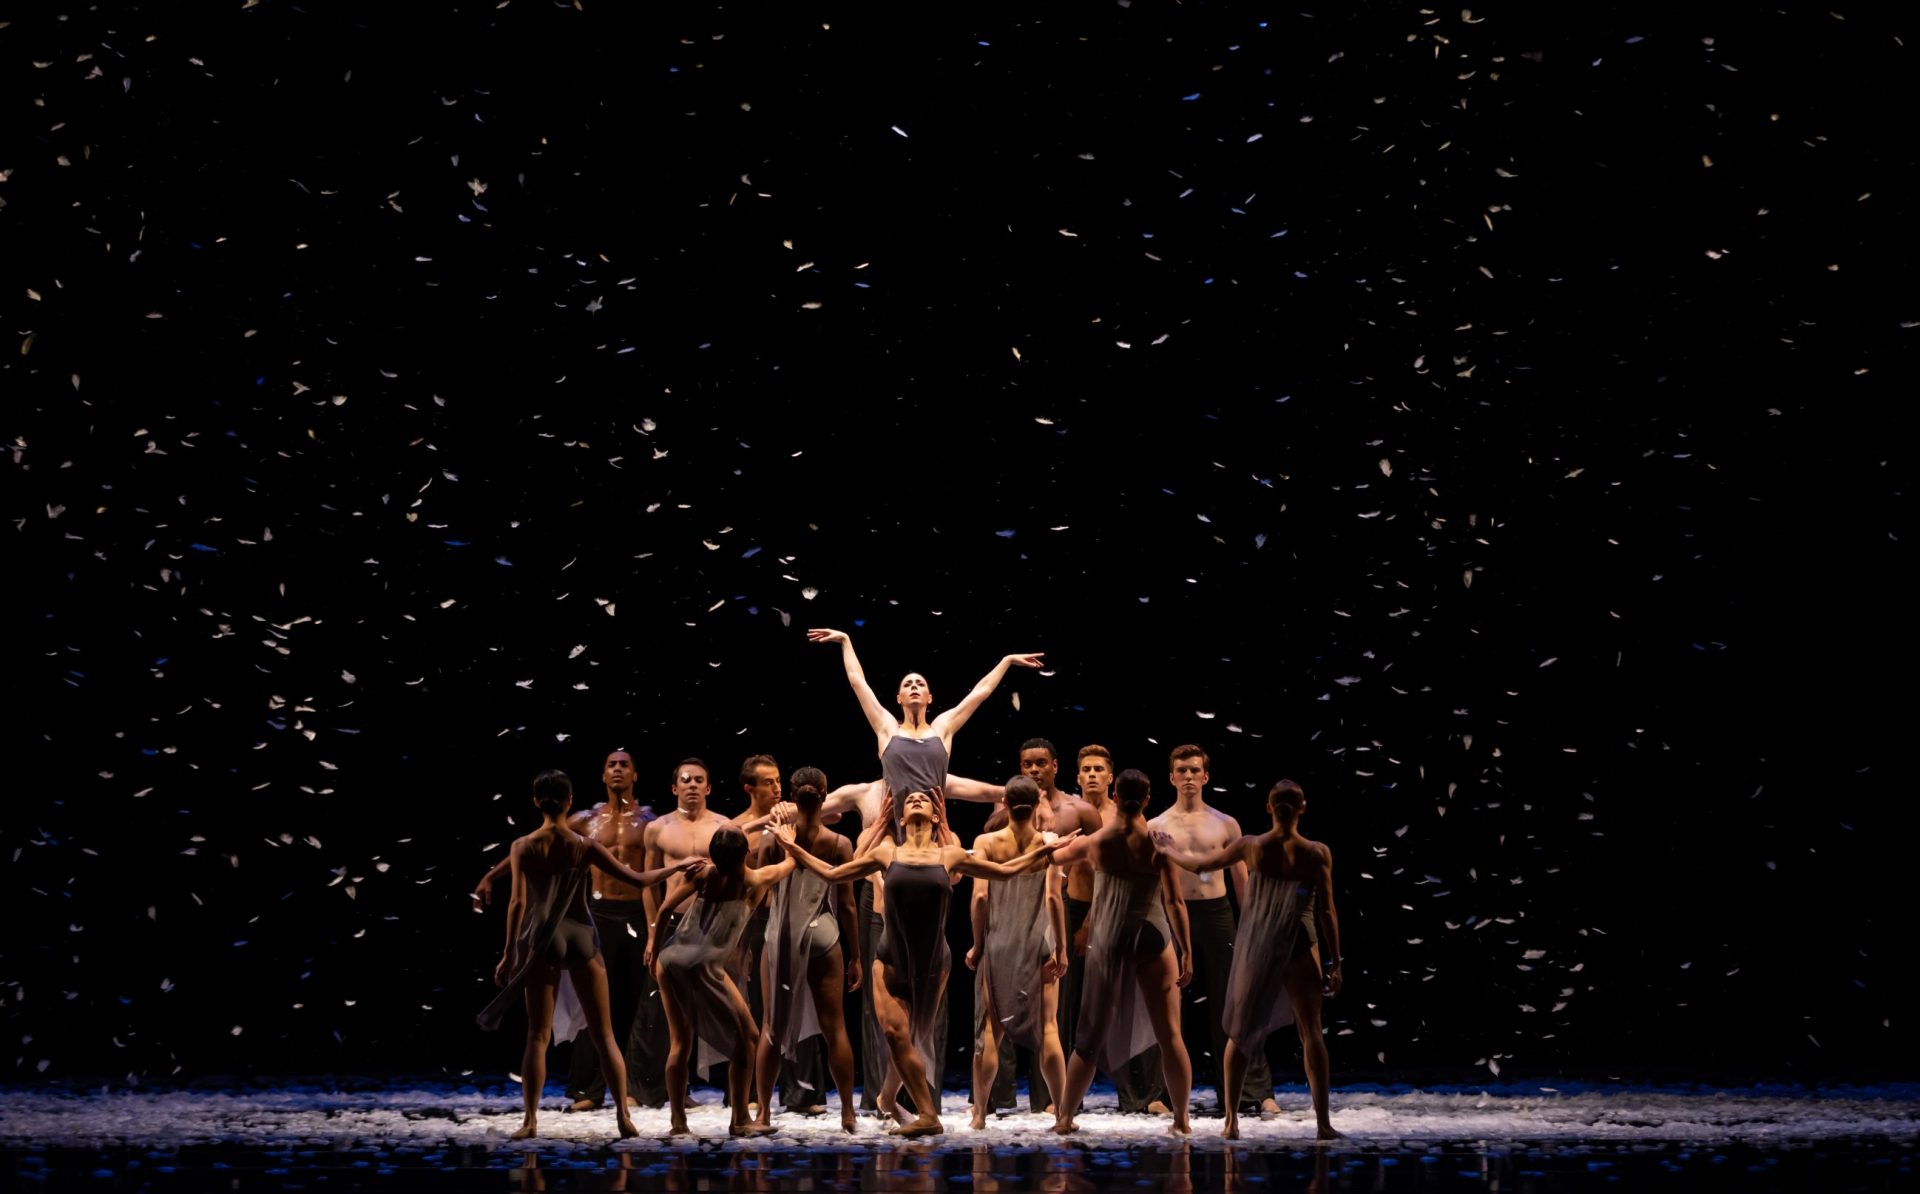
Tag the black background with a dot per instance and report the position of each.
(300, 413)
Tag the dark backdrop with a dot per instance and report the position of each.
(403, 399)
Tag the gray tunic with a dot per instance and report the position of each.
(693, 974)
(913, 944)
(557, 928)
(1129, 926)
(1019, 943)
(1276, 920)
(912, 765)
(800, 927)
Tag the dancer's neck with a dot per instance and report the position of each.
(1196, 803)
(914, 722)
(919, 837)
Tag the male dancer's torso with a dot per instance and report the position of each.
(1198, 830)
(622, 828)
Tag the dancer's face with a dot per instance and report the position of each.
(1096, 776)
(764, 791)
(1038, 764)
(1189, 776)
(918, 804)
(617, 773)
(914, 692)
(690, 787)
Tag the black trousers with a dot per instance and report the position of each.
(872, 1044)
(638, 1018)
(1203, 1003)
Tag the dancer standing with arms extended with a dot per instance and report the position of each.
(1019, 953)
(914, 750)
(550, 931)
(705, 1011)
(810, 930)
(910, 967)
(1278, 977)
(1138, 957)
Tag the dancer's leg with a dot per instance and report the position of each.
(533, 1062)
(1162, 997)
(987, 1043)
(679, 1041)
(896, 1022)
(1303, 993)
(590, 984)
(827, 973)
(873, 1042)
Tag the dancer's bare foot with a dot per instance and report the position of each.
(679, 1127)
(1326, 1132)
(1158, 1108)
(627, 1130)
(1179, 1129)
(816, 1109)
(892, 1107)
(922, 1125)
(847, 1122)
(750, 1128)
(1065, 1127)
(978, 1120)
(583, 1105)
(1269, 1106)
(1231, 1130)
(527, 1131)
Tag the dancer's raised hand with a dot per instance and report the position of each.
(826, 636)
(1030, 660)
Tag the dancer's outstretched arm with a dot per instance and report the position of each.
(960, 862)
(949, 722)
(863, 864)
(1233, 852)
(603, 858)
(959, 787)
(883, 722)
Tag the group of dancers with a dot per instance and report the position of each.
(1088, 920)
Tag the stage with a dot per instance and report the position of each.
(423, 1136)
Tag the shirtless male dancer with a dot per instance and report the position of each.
(1194, 827)
(1062, 813)
(618, 823)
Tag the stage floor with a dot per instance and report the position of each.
(421, 1136)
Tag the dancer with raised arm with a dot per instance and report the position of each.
(809, 932)
(550, 931)
(1278, 977)
(619, 823)
(910, 967)
(913, 750)
(1137, 958)
(705, 1010)
(914, 753)
(1019, 953)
